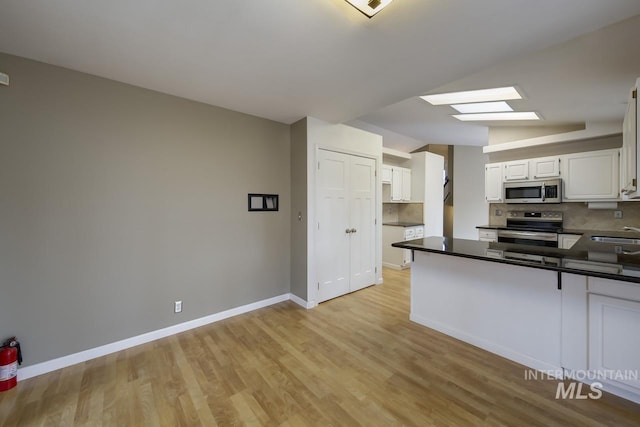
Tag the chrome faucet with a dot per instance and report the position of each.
(636, 229)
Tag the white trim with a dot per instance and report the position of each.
(591, 131)
(301, 302)
(390, 152)
(492, 347)
(394, 266)
(103, 350)
(620, 390)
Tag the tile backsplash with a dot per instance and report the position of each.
(402, 212)
(576, 215)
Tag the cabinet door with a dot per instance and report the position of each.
(396, 184)
(545, 167)
(493, 182)
(628, 156)
(516, 171)
(592, 175)
(386, 174)
(406, 185)
(613, 337)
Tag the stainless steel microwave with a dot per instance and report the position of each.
(547, 191)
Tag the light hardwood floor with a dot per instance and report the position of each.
(355, 360)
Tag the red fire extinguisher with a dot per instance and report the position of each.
(10, 358)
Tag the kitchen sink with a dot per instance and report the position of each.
(616, 240)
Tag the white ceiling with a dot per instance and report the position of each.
(286, 59)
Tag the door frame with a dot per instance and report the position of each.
(312, 227)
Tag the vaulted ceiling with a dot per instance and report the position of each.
(286, 59)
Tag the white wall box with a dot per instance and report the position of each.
(566, 241)
(591, 176)
(545, 167)
(630, 154)
(493, 174)
(346, 215)
(517, 170)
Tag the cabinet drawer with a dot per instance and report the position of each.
(614, 288)
(488, 235)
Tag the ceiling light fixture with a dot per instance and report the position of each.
(369, 7)
(515, 115)
(483, 107)
(482, 95)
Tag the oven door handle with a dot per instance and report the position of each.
(548, 237)
(543, 191)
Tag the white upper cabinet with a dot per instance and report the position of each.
(592, 175)
(406, 185)
(386, 174)
(629, 153)
(400, 180)
(493, 174)
(396, 184)
(517, 170)
(545, 167)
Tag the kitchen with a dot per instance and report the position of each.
(551, 286)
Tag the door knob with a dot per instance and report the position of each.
(353, 230)
(347, 231)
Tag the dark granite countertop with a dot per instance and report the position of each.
(586, 257)
(403, 224)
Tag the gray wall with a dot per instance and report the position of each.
(115, 201)
(299, 205)
(470, 209)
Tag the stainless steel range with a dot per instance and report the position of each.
(532, 228)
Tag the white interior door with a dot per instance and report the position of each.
(363, 214)
(346, 202)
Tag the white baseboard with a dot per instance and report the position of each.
(492, 347)
(395, 266)
(83, 356)
(301, 302)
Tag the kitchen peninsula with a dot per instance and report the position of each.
(549, 309)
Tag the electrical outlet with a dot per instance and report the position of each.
(498, 212)
(177, 307)
(617, 214)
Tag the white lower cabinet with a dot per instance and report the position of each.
(614, 342)
(600, 340)
(397, 258)
(487, 235)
